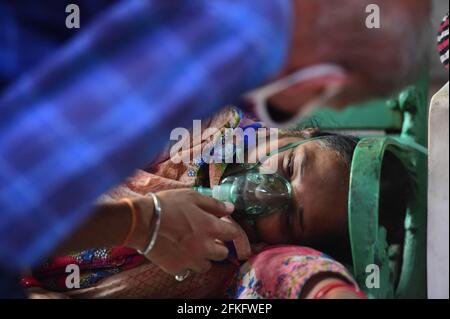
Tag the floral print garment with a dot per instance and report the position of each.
(281, 272)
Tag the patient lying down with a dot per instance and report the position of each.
(319, 174)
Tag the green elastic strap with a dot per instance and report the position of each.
(291, 145)
(283, 149)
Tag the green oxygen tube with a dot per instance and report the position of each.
(253, 194)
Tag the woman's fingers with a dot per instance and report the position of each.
(217, 252)
(190, 228)
(201, 266)
(214, 206)
(224, 231)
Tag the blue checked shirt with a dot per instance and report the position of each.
(81, 109)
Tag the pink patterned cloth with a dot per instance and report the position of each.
(276, 272)
(281, 272)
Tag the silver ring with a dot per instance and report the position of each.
(184, 276)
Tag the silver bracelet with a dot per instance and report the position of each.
(157, 205)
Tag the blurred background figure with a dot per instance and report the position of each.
(377, 62)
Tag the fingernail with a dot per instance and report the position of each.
(229, 207)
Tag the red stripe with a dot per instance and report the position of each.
(443, 25)
(443, 45)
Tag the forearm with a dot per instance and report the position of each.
(110, 225)
(83, 121)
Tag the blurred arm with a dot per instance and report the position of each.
(104, 104)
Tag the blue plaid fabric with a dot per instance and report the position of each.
(103, 100)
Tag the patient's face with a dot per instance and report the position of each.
(319, 181)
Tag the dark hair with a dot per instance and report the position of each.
(343, 145)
